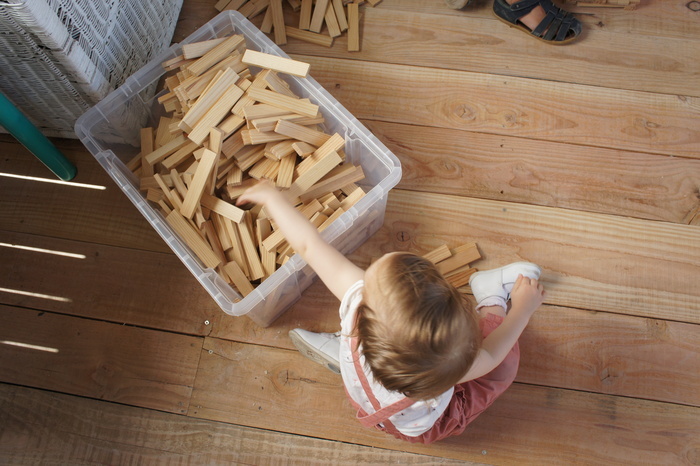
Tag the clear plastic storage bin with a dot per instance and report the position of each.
(110, 121)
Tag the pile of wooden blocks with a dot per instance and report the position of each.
(338, 16)
(453, 264)
(626, 4)
(227, 129)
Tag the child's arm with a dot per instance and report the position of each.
(335, 270)
(527, 295)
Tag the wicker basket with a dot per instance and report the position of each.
(60, 57)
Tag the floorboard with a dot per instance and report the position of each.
(584, 159)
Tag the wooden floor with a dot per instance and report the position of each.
(584, 159)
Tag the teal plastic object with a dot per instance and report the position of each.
(26, 133)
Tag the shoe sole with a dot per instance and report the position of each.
(310, 352)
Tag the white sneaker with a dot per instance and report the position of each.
(498, 283)
(322, 348)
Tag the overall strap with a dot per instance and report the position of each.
(381, 415)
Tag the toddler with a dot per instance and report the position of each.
(416, 360)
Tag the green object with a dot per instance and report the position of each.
(26, 133)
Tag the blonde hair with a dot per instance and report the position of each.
(425, 337)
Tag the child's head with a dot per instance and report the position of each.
(418, 333)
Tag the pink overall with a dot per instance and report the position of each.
(468, 401)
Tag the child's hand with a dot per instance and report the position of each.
(260, 193)
(527, 295)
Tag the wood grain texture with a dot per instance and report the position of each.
(590, 261)
(102, 216)
(546, 173)
(282, 389)
(468, 43)
(45, 427)
(511, 106)
(112, 284)
(130, 365)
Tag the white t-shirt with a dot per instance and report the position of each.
(412, 421)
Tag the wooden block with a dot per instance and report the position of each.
(317, 169)
(227, 79)
(280, 34)
(461, 256)
(177, 183)
(234, 5)
(318, 16)
(197, 187)
(438, 254)
(251, 254)
(179, 156)
(266, 25)
(305, 14)
(277, 84)
(340, 14)
(215, 114)
(352, 199)
(224, 238)
(231, 124)
(280, 150)
(334, 144)
(301, 133)
(275, 63)
(303, 149)
(338, 212)
(192, 239)
(260, 111)
(162, 152)
(253, 136)
(213, 239)
(198, 49)
(267, 258)
(249, 157)
(254, 8)
(147, 142)
(332, 21)
(295, 4)
(239, 279)
(286, 171)
(459, 279)
(221, 4)
(222, 208)
(216, 54)
(233, 144)
(308, 36)
(336, 178)
(353, 27)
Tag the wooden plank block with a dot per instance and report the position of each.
(222, 208)
(179, 156)
(215, 114)
(352, 199)
(193, 239)
(147, 143)
(461, 256)
(278, 22)
(332, 21)
(114, 362)
(205, 102)
(317, 169)
(308, 36)
(303, 149)
(255, 266)
(240, 281)
(339, 10)
(198, 49)
(201, 177)
(305, 14)
(253, 136)
(334, 180)
(353, 27)
(302, 133)
(276, 63)
(165, 150)
(266, 25)
(438, 254)
(216, 54)
(285, 176)
(318, 15)
(267, 258)
(460, 278)
(640, 427)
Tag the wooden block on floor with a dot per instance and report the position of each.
(310, 37)
(438, 254)
(461, 256)
(278, 22)
(353, 27)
